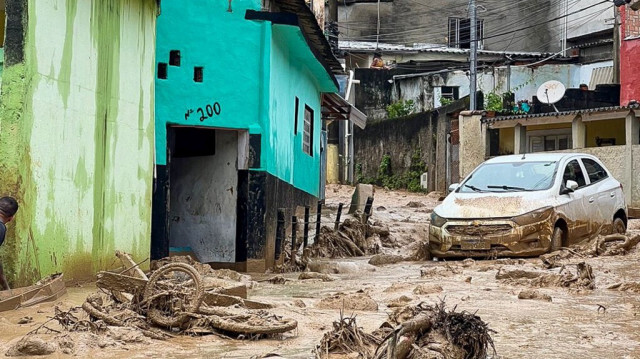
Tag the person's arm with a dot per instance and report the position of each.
(3, 281)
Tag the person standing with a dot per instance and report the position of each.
(8, 209)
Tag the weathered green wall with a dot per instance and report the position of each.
(76, 138)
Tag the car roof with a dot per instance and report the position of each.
(535, 157)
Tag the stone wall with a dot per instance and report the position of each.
(400, 138)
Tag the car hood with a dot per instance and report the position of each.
(493, 205)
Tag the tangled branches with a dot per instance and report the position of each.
(346, 337)
(421, 331)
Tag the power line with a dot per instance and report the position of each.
(398, 35)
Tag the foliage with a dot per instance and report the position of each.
(444, 101)
(409, 180)
(400, 109)
(493, 102)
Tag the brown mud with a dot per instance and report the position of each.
(603, 322)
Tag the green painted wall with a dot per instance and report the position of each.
(291, 77)
(77, 137)
(253, 77)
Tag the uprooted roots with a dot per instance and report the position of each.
(346, 337)
(424, 332)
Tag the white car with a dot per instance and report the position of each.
(526, 205)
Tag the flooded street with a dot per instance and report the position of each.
(599, 323)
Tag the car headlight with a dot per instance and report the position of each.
(436, 220)
(536, 216)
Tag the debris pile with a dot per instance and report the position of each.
(421, 331)
(172, 300)
(352, 239)
(434, 332)
(610, 245)
(581, 278)
(346, 338)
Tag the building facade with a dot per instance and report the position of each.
(630, 53)
(77, 134)
(238, 126)
(534, 26)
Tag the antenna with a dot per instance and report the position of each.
(551, 92)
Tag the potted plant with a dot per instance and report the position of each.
(493, 104)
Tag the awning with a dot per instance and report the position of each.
(334, 107)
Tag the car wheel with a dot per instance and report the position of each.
(619, 226)
(556, 239)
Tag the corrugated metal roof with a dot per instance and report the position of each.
(561, 113)
(313, 33)
(601, 75)
(366, 46)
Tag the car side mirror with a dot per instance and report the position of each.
(570, 187)
(453, 187)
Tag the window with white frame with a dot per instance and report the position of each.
(460, 32)
(307, 138)
(549, 140)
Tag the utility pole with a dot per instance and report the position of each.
(616, 45)
(474, 55)
(333, 11)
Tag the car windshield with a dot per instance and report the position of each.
(511, 177)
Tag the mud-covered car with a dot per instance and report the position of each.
(527, 205)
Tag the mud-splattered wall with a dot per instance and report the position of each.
(76, 146)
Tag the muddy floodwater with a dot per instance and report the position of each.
(574, 323)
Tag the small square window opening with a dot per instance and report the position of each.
(174, 58)
(162, 70)
(198, 73)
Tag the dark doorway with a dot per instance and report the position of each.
(198, 194)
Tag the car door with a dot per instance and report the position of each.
(602, 197)
(573, 207)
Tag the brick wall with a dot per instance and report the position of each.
(631, 23)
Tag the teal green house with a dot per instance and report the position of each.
(241, 95)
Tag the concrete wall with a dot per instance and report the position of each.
(204, 192)
(408, 22)
(595, 19)
(472, 143)
(77, 134)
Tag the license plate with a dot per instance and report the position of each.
(474, 244)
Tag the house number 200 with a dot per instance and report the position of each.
(210, 110)
(207, 112)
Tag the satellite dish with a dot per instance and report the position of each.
(551, 92)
